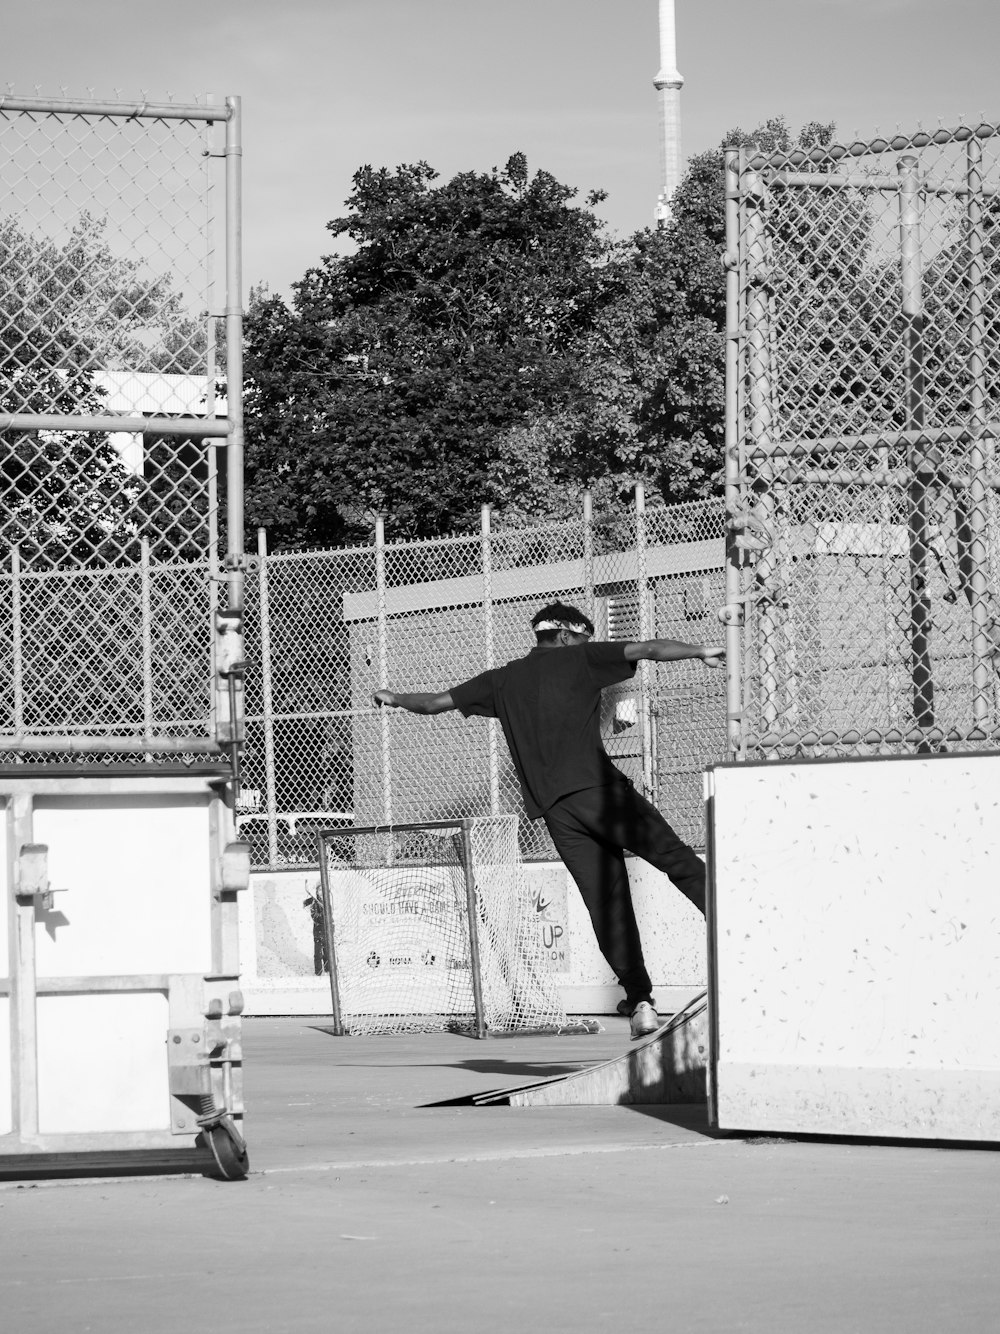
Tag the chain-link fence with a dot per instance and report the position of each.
(118, 225)
(862, 478)
(326, 629)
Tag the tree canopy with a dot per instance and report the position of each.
(393, 379)
(487, 340)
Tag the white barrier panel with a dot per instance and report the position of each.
(854, 946)
(119, 1000)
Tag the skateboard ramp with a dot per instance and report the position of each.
(667, 1066)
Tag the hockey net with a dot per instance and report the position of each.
(432, 927)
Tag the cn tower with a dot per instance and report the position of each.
(668, 83)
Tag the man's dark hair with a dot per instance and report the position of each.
(565, 618)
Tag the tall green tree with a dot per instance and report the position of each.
(487, 340)
(410, 376)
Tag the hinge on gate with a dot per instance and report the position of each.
(733, 613)
(233, 869)
(751, 533)
(242, 564)
(32, 877)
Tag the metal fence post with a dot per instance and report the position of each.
(267, 699)
(235, 560)
(911, 273)
(472, 909)
(383, 668)
(17, 643)
(211, 409)
(733, 613)
(146, 615)
(487, 564)
(972, 527)
(642, 592)
(588, 554)
(760, 422)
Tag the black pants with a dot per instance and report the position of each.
(591, 829)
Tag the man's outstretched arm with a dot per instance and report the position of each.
(674, 650)
(416, 703)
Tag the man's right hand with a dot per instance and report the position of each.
(386, 698)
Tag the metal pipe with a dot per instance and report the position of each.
(329, 939)
(305, 715)
(732, 614)
(837, 444)
(891, 478)
(892, 737)
(971, 517)
(897, 144)
(642, 594)
(911, 275)
(17, 640)
(114, 745)
(267, 700)
(756, 317)
(212, 461)
(234, 352)
(146, 619)
(383, 666)
(472, 907)
(590, 600)
(860, 181)
(235, 559)
(491, 730)
(71, 106)
(195, 428)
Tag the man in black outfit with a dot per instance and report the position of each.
(549, 706)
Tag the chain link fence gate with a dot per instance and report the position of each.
(119, 232)
(862, 477)
(325, 629)
(120, 634)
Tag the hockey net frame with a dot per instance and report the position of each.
(448, 906)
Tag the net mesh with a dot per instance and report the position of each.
(404, 947)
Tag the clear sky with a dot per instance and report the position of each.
(331, 84)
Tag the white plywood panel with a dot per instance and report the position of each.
(102, 1063)
(6, 1106)
(857, 946)
(136, 874)
(4, 901)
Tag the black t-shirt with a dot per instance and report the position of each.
(549, 706)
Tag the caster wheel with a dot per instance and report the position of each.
(229, 1152)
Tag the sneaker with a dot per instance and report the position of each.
(644, 1020)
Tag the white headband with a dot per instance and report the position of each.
(574, 627)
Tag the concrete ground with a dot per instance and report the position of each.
(368, 1210)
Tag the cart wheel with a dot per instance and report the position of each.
(229, 1151)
